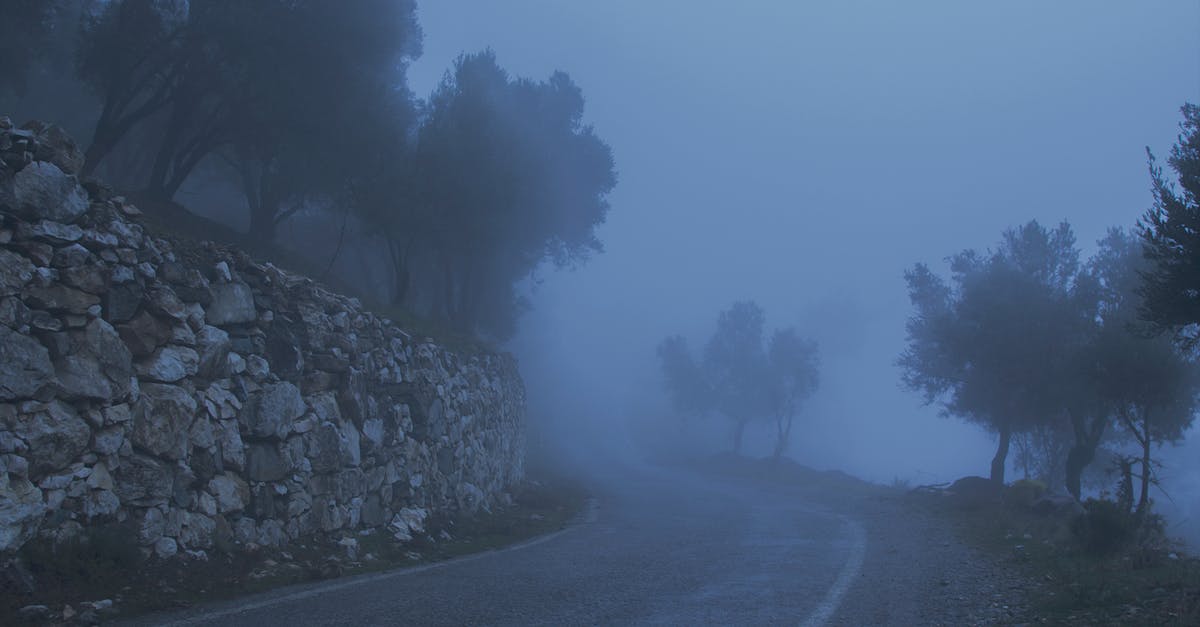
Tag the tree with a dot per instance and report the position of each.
(132, 53)
(349, 62)
(992, 346)
(683, 378)
(794, 373)
(739, 377)
(509, 177)
(1170, 231)
(1142, 377)
(737, 367)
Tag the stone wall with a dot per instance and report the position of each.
(200, 397)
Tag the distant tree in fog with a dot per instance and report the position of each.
(741, 378)
(1171, 232)
(683, 378)
(996, 343)
(794, 373)
(508, 177)
(737, 368)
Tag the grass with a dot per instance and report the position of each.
(105, 564)
(1134, 584)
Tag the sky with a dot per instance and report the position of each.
(803, 154)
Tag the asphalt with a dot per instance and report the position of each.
(657, 547)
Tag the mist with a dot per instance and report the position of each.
(803, 156)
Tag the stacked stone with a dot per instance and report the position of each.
(217, 401)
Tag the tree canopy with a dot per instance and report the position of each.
(1170, 230)
(740, 377)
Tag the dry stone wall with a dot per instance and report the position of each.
(199, 397)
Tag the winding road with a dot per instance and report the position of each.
(664, 546)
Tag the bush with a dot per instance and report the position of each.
(92, 554)
(1105, 527)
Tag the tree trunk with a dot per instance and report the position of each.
(783, 436)
(262, 223)
(1143, 506)
(738, 429)
(1077, 459)
(1001, 458)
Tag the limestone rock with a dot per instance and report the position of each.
(143, 481)
(162, 418)
(25, 366)
(214, 346)
(231, 492)
(265, 463)
(43, 190)
(169, 364)
(21, 511)
(15, 272)
(144, 333)
(56, 146)
(56, 433)
(271, 413)
(232, 303)
(99, 365)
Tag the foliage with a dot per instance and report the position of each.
(993, 346)
(739, 376)
(1170, 230)
(507, 176)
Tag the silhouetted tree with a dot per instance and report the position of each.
(1171, 232)
(739, 377)
(794, 373)
(316, 85)
(1142, 378)
(737, 367)
(133, 54)
(994, 344)
(683, 378)
(510, 177)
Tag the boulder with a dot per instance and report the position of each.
(41, 190)
(232, 303)
(15, 272)
(55, 146)
(25, 366)
(169, 364)
(56, 435)
(162, 417)
(271, 413)
(975, 492)
(99, 365)
(21, 511)
(144, 333)
(58, 297)
(143, 481)
(214, 346)
(264, 462)
(231, 492)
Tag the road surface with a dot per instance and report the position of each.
(668, 546)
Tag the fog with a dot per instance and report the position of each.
(803, 155)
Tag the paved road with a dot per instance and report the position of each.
(661, 547)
